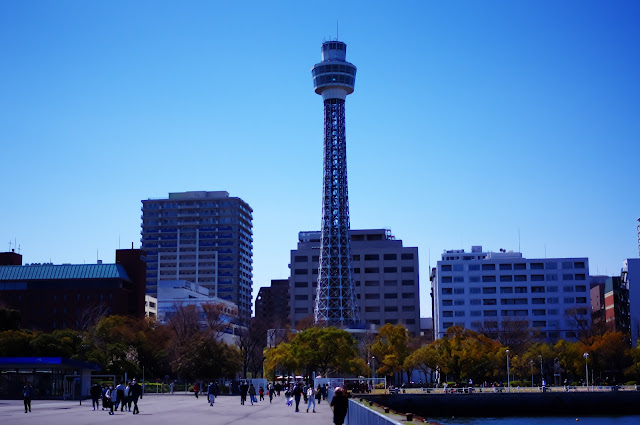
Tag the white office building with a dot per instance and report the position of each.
(480, 290)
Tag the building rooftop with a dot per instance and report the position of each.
(49, 272)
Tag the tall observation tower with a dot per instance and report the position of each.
(334, 78)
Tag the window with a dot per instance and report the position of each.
(460, 313)
(390, 283)
(474, 290)
(567, 289)
(553, 300)
(474, 279)
(491, 290)
(447, 291)
(581, 312)
(356, 270)
(408, 308)
(390, 295)
(506, 290)
(302, 297)
(458, 267)
(375, 309)
(520, 278)
(581, 288)
(447, 325)
(569, 300)
(447, 302)
(488, 278)
(506, 278)
(474, 267)
(301, 271)
(356, 257)
(488, 267)
(408, 282)
(537, 278)
(551, 265)
(519, 266)
(475, 302)
(371, 257)
(539, 323)
(411, 321)
(537, 289)
(371, 296)
(371, 283)
(407, 295)
(458, 279)
(391, 309)
(567, 265)
(505, 267)
(390, 257)
(390, 269)
(458, 302)
(445, 268)
(537, 300)
(567, 277)
(538, 312)
(301, 310)
(407, 269)
(475, 313)
(489, 301)
(580, 276)
(513, 301)
(578, 265)
(581, 300)
(301, 258)
(301, 285)
(458, 291)
(490, 313)
(551, 277)
(407, 256)
(536, 266)
(552, 289)
(372, 269)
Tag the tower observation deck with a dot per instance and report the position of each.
(334, 78)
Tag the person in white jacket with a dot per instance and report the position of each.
(311, 397)
(113, 396)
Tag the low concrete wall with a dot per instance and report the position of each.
(505, 404)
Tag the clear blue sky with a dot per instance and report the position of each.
(472, 122)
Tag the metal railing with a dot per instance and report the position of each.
(359, 414)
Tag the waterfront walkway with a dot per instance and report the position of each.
(166, 409)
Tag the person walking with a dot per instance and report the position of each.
(297, 395)
(211, 394)
(318, 394)
(120, 396)
(94, 392)
(113, 397)
(261, 393)
(136, 392)
(196, 389)
(27, 393)
(311, 399)
(339, 405)
(270, 391)
(244, 389)
(252, 394)
(127, 396)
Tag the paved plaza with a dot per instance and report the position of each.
(161, 409)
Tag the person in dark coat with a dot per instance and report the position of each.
(136, 392)
(27, 393)
(297, 394)
(95, 395)
(244, 389)
(339, 405)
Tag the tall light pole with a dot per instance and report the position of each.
(508, 378)
(531, 363)
(541, 374)
(373, 359)
(586, 369)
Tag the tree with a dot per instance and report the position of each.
(390, 349)
(9, 319)
(59, 343)
(16, 343)
(325, 350)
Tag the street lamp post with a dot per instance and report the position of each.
(541, 374)
(373, 359)
(508, 378)
(531, 363)
(586, 369)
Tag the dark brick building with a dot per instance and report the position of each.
(272, 303)
(73, 296)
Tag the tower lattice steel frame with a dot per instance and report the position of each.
(334, 79)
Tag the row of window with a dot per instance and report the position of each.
(515, 301)
(509, 313)
(357, 270)
(513, 278)
(551, 265)
(514, 290)
(357, 257)
(367, 283)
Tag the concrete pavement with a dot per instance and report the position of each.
(166, 409)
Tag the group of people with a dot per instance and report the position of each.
(122, 396)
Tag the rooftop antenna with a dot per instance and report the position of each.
(337, 31)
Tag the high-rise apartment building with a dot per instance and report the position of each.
(385, 274)
(272, 303)
(201, 237)
(480, 290)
